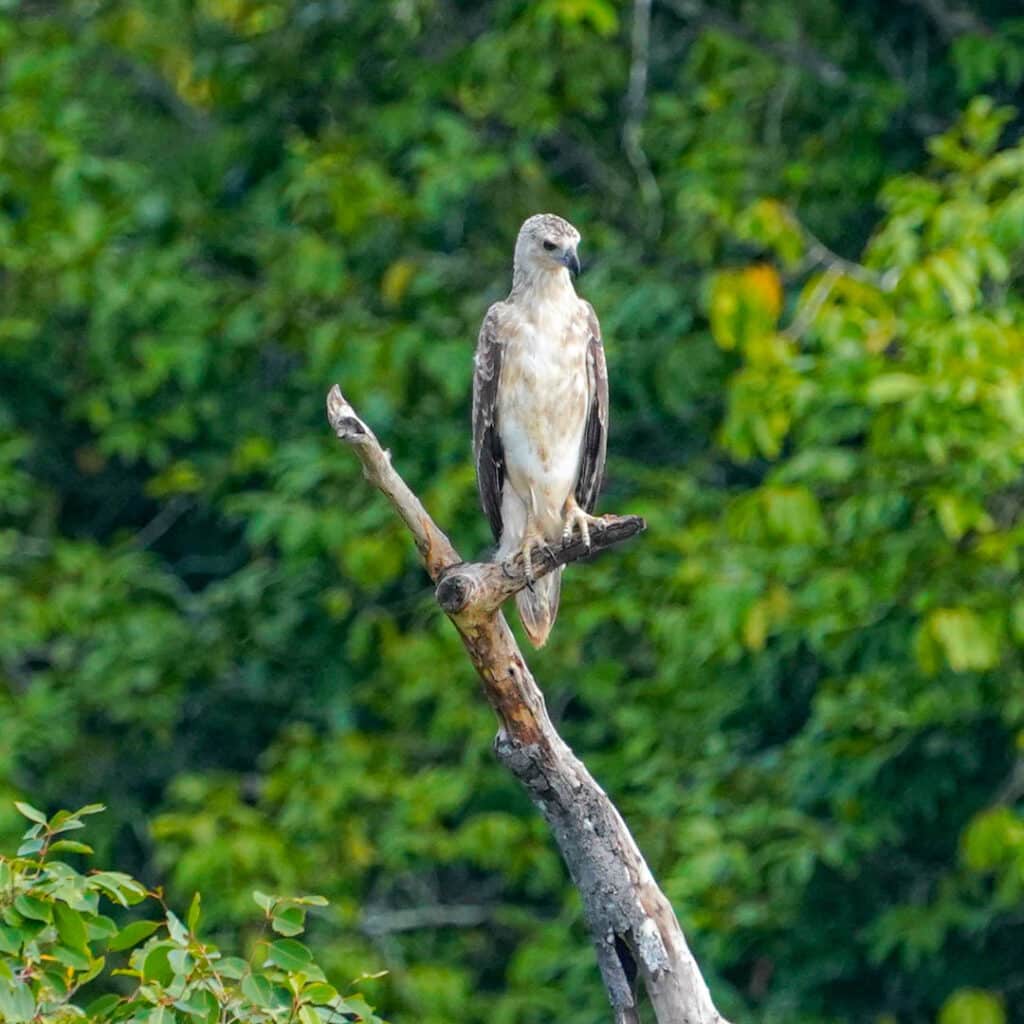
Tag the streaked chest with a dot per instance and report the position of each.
(543, 391)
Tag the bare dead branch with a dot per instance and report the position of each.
(632, 924)
(636, 108)
(819, 253)
(801, 56)
(951, 21)
(154, 87)
(1012, 788)
(836, 267)
(386, 921)
(811, 308)
(163, 521)
(434, 547)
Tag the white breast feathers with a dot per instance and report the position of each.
(542, 409)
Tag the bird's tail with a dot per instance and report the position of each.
(538, 606)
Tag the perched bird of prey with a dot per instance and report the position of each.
(540, 410)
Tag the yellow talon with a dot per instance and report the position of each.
(576, 519)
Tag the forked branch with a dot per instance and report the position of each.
(481, 588)
(635, 932)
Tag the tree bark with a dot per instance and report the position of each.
(633, 927)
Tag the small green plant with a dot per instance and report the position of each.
(59, 951)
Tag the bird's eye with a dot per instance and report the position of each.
(550, 246)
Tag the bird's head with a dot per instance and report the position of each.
(547, 242)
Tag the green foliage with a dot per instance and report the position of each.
(972, 1007)
(802, 685)
(57, 946)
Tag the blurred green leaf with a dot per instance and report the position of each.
(289, 954)
(971, 1006)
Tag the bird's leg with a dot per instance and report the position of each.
(532, 538)
(574, 518)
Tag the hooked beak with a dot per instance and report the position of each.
(572, 261)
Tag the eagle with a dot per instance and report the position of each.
(540, 411)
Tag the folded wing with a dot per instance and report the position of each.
(595, 434)
(488, 453)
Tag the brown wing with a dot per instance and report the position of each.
(595, 433)
(488, 453)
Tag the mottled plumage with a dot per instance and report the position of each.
(540, 409)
